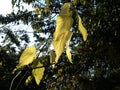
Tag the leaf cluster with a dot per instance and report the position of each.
(95, 62)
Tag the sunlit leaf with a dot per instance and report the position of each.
(27, 56)
(61, 35)
(82, 28)
(63, 24)
(59, 46)
(38, 71)
(67, 47)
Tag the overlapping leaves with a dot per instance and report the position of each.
(62, 34)
(28, 57)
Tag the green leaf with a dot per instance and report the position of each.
(27, 56)
(38, 72)
(82, 29)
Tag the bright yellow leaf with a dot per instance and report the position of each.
(38, 11)
(38, 72)
(27, 56)
(63, 23)
(67, 47)
(60, 44)
(82, 28)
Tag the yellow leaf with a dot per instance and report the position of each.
(59, 45)
(82, 28)
(28, 80)
(38, 72)
(63, 23)
(67, 47)
(65, 9)
(61, 35)
(27, 56)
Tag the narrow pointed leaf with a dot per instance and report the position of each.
(38, 72)
(59, 47)
(28, 80)
(52, 57)
(67, 47)
(27, 56)
(82, 28)
(63, 24)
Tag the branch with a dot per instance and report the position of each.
(12, 17)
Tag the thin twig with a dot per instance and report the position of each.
(14, 79)
(21, 80)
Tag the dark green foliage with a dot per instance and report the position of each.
(96, 62)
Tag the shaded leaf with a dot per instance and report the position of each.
(38, 72)
(27, 56)
(52, 57)
(82, 28)
(28, 80)
(65, 9)
(61, 35)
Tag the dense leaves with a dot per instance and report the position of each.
(95, 62)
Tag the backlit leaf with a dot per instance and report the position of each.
(60, 44)
(61, 35)
(27, 56)
(63, 24)
(82, 28)
(38, 11)
(67, 47)
(38, 72)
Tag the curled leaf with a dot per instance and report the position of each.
(65, 9)
(82, 28)
(63, 24)
(62, 32)
(27, 56)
